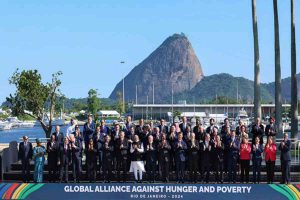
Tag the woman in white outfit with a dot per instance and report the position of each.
(137, 163)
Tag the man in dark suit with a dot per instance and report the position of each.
(139, 128)
(205, 154)
(258, 130)
(271, 128)
(52, 150)
(108, 157)
(285, 158)
(183, 125)
(180, 148)
(98, 141)
(233, 146)
(209, 129)
(25, 155)
(59, 136)
(164, 149)
(151, 158)
(64, 159)
(163, 127)
(88, 130)
(193, 155)
(103, 128)
(122, 157)
(76, 150)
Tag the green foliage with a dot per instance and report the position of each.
(35, 96)
(93, 102)
(119, 103)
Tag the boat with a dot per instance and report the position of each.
(243, 116)
(5, 126)
(16, 123)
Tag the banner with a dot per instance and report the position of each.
(130, 191)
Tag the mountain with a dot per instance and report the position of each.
(174, 61)
(226, 85)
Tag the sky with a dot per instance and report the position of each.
(86, 40)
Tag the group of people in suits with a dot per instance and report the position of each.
(159, 150)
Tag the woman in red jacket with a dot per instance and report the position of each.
(245, 151)
(270, 155)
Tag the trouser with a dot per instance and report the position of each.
(205, 169)
(122, 167)
(107, 170)
(76, 168)
(256, 163)
(64, 170)
(25, 170)
(52, 170)
(180, 166)
(151, 170)
(91, 171)
(193, 166)
(219, 167)
(138, 176)
(285, 167)
(245, 167)
(232, 168)
(164, 167)
(100, 155)
(270, 165)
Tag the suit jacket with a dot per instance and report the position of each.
(270, 153)
(91, 156)
(257, 153)
(270, 130)
(151, 154)
(59, 136)
(285, 151)
(163, 129)
(52, 152)
(108, 152)
(88, 131)
(258, 131)
(193, 152)
(206, 153)
(25, 152)
(121, 153)
(180, 151)
(183, 128)
(77, 151)
(233, 150)
(64, 155)
(164, 152)
(218, 153)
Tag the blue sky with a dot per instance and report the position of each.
(88, 39)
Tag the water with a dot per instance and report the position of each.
(35, 132)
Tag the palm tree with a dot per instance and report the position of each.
(278, 97)
(257, 100)
(294, 91)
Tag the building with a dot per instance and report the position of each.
(108, 114)
(157, 111)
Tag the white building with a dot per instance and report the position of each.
(108, 114)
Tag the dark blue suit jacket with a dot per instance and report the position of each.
(285, 151)
(180, 151)
(25, 153)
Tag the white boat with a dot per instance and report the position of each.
(16, 123)
(5, 126)
(243, 116)
(55, 122)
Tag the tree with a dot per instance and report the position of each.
(278, 97)
(294, 91)
(119, 103)
(257, 98)
(93, 101)
(34, 98)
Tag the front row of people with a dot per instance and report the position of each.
(211, 155)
